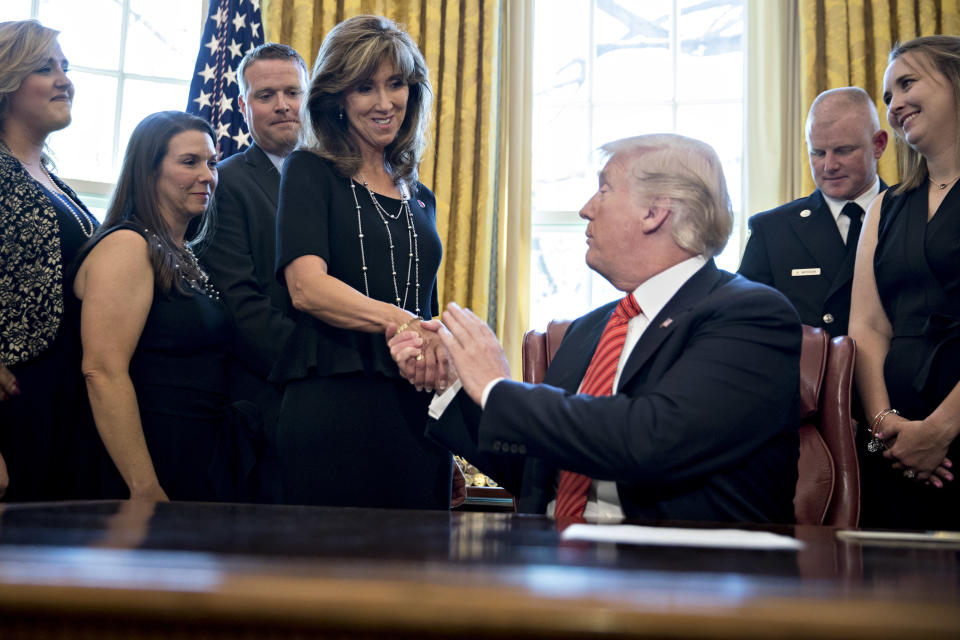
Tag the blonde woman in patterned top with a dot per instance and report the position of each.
(47, 438)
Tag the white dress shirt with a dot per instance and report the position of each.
(836, 206)
(276, 160)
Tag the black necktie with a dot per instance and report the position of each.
(853, 211)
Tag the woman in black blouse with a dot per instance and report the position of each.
(47, 437)
(358, 251)
(905, 314)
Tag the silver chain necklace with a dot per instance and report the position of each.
(413, 257)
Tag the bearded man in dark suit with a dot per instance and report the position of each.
(678, 402)
(240, 258)
(806, 248)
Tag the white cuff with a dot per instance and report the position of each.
(441, 401)
(486, 391)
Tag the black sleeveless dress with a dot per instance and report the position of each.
(47, 436)
(179, 371)
(917, 268)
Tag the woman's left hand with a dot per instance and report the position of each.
(8, 384)
(920, 447)
(5, 478)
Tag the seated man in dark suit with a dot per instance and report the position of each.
(240, 258)
(806, 248)
(678, 402)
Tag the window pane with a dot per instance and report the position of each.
(84, 150)
(613, 122)
(558, 276)
(89, 30)
(633, 60)
(140, 99)
(701, 121)
(14, 10)
(560, 65)
(720, 126)
(562, 158)
(562, 287)
(710, 56)
(163, 38)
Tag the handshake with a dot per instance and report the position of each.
(433, 354)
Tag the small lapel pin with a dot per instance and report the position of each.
(422, 206)
(805, 213)
(666, 323)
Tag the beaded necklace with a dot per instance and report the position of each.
(69, 204)
(63, 197)
(413, 257)
(198, 280)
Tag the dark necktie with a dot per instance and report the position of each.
(598, 381)
(853, 211)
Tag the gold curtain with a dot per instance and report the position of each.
(846, 42)
(461, 41)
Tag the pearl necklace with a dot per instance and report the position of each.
(70, 206)
(413, 257)
(201, 283)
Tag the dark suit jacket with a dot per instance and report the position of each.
(703, 425)
(240, 258)
(782, 240)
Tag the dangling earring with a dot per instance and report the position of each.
(341, 113)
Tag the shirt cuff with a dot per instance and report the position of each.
(486, 391)
(441, 401)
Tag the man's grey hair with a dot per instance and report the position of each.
(689, 173)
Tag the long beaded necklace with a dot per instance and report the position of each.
(69, 204)
(72, 206)
(413, 257)
(198, 280)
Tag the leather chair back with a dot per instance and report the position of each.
(828, 488)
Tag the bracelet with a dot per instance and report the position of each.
(406, 325)
(879, 419)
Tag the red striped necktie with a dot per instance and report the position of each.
(598, 381)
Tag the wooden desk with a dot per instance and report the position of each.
(120, 570)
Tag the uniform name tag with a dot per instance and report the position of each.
(812, 271)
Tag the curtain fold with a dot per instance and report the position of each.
(462, 44)
(773, 123)
(846, 42)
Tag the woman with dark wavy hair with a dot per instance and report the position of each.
(358, 250)
(156, 335)
(46, 433)
(905, 314)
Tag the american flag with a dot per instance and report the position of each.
(234, 27)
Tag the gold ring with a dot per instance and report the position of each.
(420, 357)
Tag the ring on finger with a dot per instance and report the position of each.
(420, 357)
(909, 474)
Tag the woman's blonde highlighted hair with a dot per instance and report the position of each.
(350, 56)
(24, 48)
(932, 53)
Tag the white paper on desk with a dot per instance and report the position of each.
(677, 537)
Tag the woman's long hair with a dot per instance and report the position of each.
(940, 53)
(135, 199)
(349, 56)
